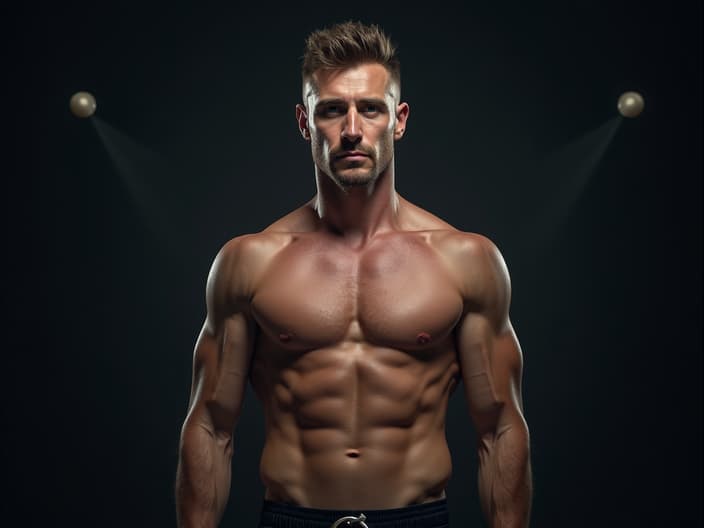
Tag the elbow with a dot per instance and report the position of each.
(508, 428)
(222, 418)
(201, 426)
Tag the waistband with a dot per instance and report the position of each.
(427, 515)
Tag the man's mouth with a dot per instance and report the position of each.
(352, 155)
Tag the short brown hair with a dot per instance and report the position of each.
(349, 43)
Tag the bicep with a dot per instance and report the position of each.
(491, 365)
(220, 368)
(224, 346)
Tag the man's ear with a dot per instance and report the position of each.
(402, 111)
(302, 119)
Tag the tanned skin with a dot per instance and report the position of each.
(354, 318)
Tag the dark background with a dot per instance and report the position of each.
(105, 263)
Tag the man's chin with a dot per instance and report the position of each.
(354, 177)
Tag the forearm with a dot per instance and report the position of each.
(505, 488)
(203, 476)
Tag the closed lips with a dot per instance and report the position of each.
(348, 154)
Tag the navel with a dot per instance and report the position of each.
(352, 453)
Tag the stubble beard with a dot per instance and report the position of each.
(353, 177)
(356, 177)
(361, 176)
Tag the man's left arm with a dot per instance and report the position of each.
(491, 365)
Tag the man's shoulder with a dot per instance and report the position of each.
(475, 261)
(262, 244)
(300, 220)
(465, 244)
(248, 248)
(446, 236)
(242, 261)
(465, 251)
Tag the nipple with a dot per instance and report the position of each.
(423, 338)
(284, 337)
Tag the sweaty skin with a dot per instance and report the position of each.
(354, 318)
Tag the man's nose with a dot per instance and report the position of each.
(352, 130)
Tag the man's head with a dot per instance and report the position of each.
(351, 111)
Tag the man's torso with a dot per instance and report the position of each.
(354, 363)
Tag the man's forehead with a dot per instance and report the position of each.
(361, 80)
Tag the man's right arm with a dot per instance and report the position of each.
(220, 366)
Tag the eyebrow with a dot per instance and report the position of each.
(364, 100)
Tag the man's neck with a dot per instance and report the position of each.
(357, 213)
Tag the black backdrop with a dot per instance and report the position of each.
(108, 241)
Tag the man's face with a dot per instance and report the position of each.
(352, 119)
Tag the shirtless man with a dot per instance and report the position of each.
(354, 318)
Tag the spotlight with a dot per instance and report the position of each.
(630, 104)
(82, 104)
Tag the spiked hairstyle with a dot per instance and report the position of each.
(346, 44)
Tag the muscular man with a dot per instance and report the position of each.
(354, 317)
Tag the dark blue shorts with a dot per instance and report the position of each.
(427, 515)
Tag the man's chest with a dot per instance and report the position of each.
(397, 293)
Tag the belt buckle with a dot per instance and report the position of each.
(350, 520)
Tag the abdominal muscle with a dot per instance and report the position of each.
(355, 426)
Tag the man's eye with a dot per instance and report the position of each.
(331, 111)
(370, 109)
